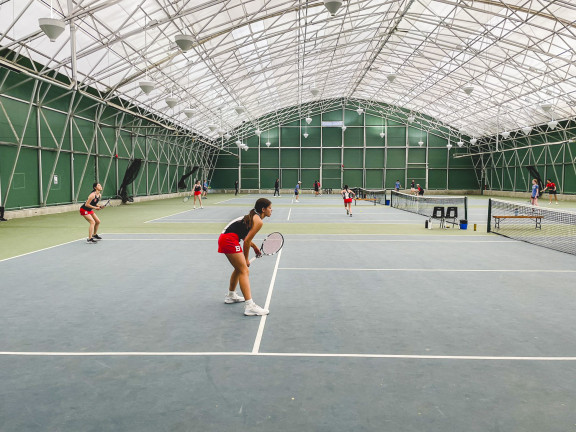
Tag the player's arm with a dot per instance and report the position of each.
(257, 224)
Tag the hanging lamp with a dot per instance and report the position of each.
(332, 6)
(184, 42)
(189, 112)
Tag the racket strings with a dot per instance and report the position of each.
(272, 244)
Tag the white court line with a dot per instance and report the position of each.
(40, 250)
(256, 347)
(220, 202)
(289, 212)
(427, 270)
(174, 214)
(252, 354)
(160, 239)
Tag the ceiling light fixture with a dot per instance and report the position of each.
(184, 42)
(448, 146)
(308, 120)
(171, 101)
(505, 134)
(189, 112)
(468, 89)
(552, 124)
(391, 77)
(527, 130)
(332, 6)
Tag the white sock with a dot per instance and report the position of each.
(249, 302)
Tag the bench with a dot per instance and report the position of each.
(536, 218)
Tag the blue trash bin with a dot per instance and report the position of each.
(463, 224)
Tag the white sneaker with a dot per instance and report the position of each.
(254, 309)
(194, 207)
(201, 207)
(232, 297)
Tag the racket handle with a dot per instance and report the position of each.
(253, 259)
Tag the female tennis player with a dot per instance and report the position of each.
(198, 193)
(243, 228)
(551, 188)
(87, 212)
(534, 196)
(348, 195)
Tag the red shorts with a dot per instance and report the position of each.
(229, 244)
(197, 193)
(347, 200)
(86, 212)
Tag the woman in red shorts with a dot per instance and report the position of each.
(348, 195)
(87, 211)
(198, 193)
(243, 228)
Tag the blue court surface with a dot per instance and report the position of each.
(424, 332)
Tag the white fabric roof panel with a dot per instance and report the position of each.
(265, 55)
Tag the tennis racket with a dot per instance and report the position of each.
(271, 245)
(186, 198)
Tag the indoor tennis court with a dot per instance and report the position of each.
(418, 255)
(423, 329)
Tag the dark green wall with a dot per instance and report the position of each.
(357, 156)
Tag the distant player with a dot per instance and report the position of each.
(316, 187)
(397, 186)
(348, 196)
(205, 189)
(420, 189)
(236, 187)
(413, 188)
(277, 187)
(87, 212)
(198, 193)
(297, 191)
(551, 188)
(534, 196)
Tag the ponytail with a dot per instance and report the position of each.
(259, 207)
(94, 186)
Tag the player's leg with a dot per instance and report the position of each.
(92, 222)
(96, 224)
(241, 274)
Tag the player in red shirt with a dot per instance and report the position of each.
(551, 188)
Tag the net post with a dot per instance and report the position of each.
(489, 214)
(466, 207)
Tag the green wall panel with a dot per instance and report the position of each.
(331, 178)
(374, 178)
(462, 179)
(392, 175)
(417, 155)
(396, 136)
(335, 115)
(289, 158)
(373, 138)
(53, 130)
(24, 190)
(436, 141)
(354, 137)
(396, 158)
(231, 161)
(437, 158)
(416, 174)
(331, 137)
(290, 137)
(351, 118)
(152, 178)
(59, 193)
(375, 158)
(353, 158)
(309, 176)
(437, 179)
(314, 135)
(463, 162)
(331, 156)
(415, 135)
(311, 158)
(14, 125)
(249, 156)
(268, 178)
(269, 158)
(289, 178)
(353, 177)
(224, 178)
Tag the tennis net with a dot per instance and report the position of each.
(377, 196)
(424, 205)
(550, 228)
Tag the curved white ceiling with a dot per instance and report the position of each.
(266, 54)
